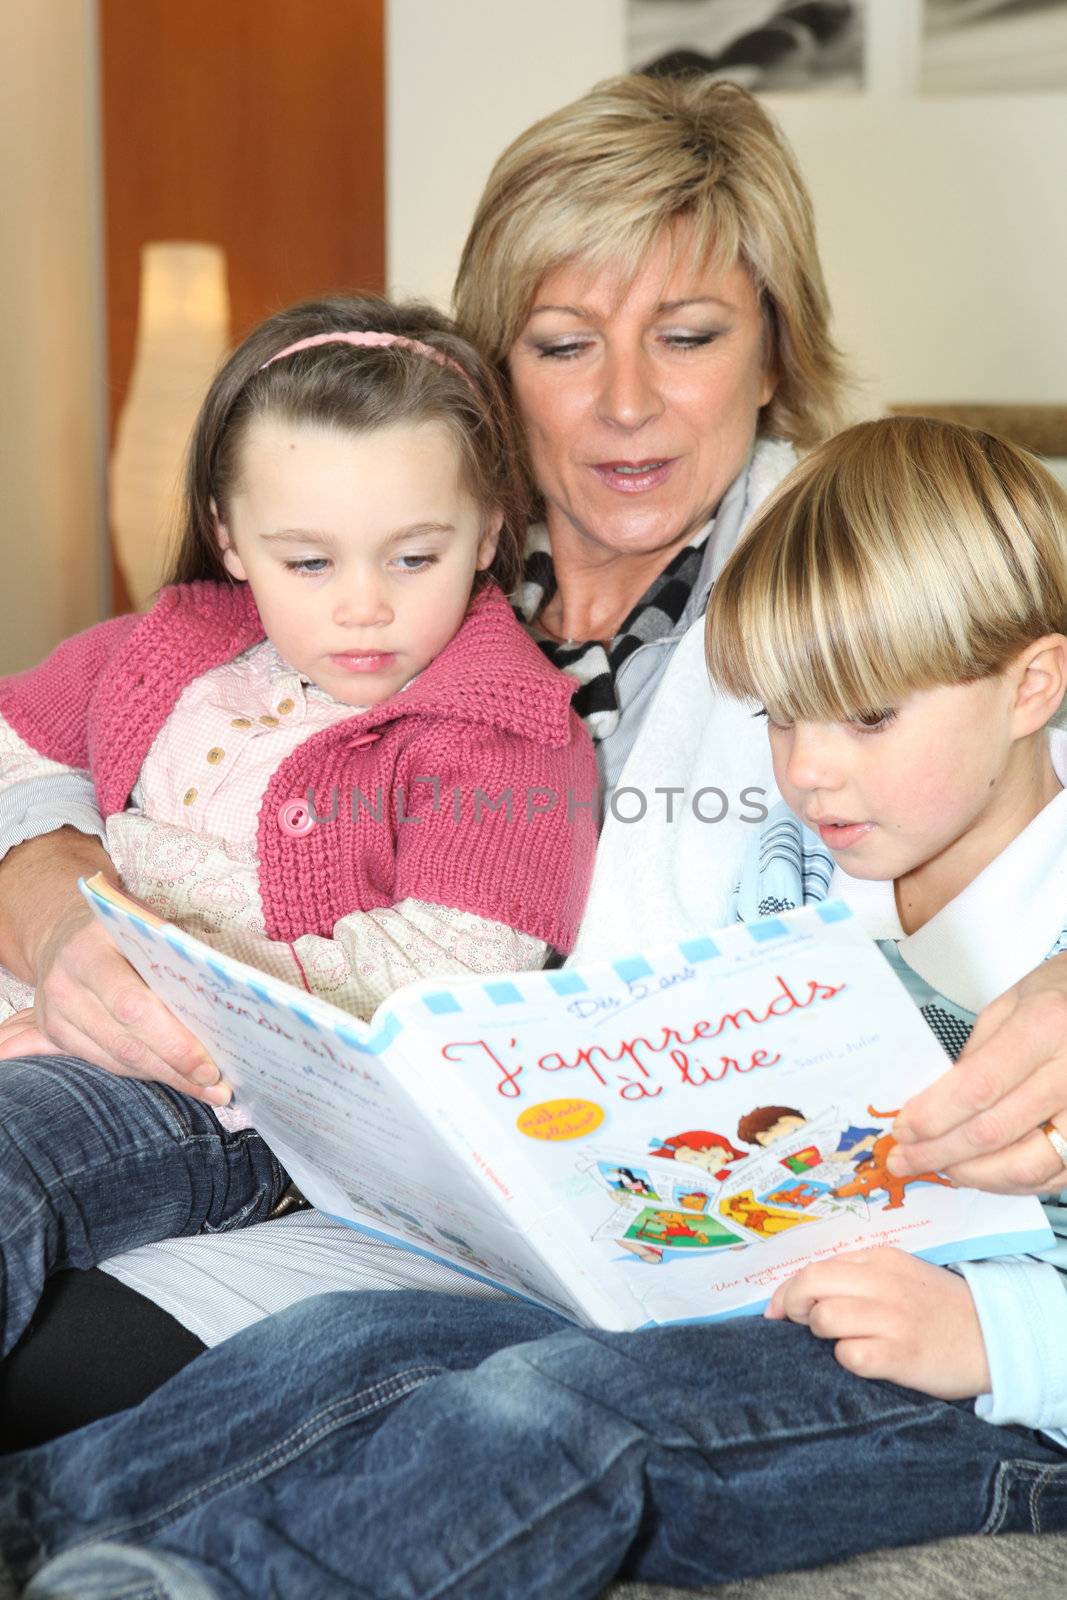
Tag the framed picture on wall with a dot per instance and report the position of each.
(766, 45)
(974, 46)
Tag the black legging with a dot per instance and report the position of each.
(94, 1347)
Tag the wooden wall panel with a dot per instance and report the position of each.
(254, 124)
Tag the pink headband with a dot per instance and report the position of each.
(374, 339)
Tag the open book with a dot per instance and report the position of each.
(660, 1138)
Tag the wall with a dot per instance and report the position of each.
(256, 125)
(943, 222)
(51, 450)
(253, 124)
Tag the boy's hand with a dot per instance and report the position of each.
(893, 1317)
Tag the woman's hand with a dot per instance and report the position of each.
(88, 1001)
(892, 1317)
(981, 1121)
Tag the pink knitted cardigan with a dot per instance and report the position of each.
(488, 719)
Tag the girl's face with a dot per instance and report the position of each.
(360, 549)
(946, 774)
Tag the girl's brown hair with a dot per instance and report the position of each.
(357, 389)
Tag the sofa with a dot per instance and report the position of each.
(1017, 1566)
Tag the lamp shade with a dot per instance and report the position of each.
(183, 331)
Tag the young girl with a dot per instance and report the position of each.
(328, 749)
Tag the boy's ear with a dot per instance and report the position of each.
(1041, 671)
(230, 559)
(489, 540)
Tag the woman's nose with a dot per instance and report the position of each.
(629, 392)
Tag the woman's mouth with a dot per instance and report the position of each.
(634, 477)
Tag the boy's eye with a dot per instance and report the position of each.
(311, 566)
(772, 722)
(873, 721)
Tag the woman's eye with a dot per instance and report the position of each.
(311, 567)
(562, 351)
(688, 341)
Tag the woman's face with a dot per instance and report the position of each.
(640, 399)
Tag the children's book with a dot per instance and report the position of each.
(660, 1138)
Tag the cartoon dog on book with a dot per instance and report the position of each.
(872, 1174)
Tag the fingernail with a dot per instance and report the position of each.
(208, 1073)
(220, 1095)
(902, 1131)
(896, 1163)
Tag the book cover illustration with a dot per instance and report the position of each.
(659, 1138)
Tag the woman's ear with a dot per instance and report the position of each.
(768, 386)
(1041, 682)
(490, 539)
(230, 559)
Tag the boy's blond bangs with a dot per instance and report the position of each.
(904, 554)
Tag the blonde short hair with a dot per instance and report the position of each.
(904, 554)
(602, 179)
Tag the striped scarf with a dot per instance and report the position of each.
(594, 663)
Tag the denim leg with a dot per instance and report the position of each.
(384, 1465)
(301, 1390)
(92, 1164)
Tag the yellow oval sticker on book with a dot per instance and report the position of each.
(560, 1119)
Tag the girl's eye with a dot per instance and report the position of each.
(310, 568)
(414, 563)
(874, 721)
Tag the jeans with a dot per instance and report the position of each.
(92, 1164)
(407, 1446)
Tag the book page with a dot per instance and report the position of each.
(696, 1123)
(318, 1085)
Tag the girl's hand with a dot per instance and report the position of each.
(893, 1317)
(980, 1122)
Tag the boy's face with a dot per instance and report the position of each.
(945, 772)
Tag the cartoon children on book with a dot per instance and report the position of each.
(767, 1125)
(854, 1144)
(699, 1148)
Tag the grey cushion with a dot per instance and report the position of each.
(1018, 1566)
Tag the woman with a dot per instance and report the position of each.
(663, 375)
